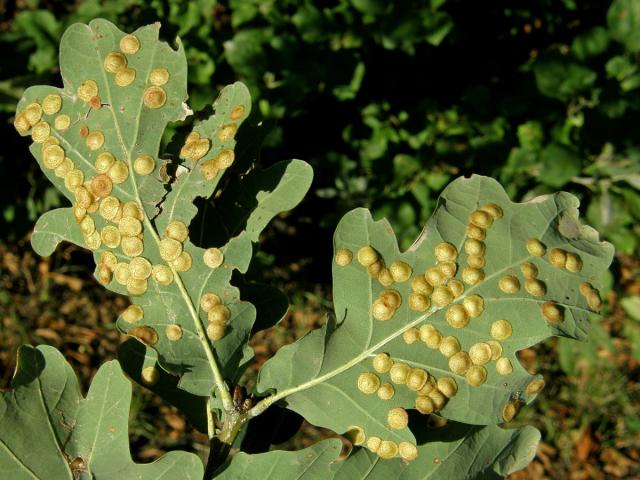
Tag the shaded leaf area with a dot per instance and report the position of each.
(100, 145)
(453, 451)
(63, 435)
(322, 376)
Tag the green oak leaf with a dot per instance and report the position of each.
(64, 436)
(455, 450)
(318, 376)
(98, 140)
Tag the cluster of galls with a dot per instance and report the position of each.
(218, 315)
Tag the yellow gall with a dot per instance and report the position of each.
(457, 316)
(146, 335)
(355, 435)
(386, 391)
(416, 379)
(162, 274)
(110, 236)
(62, 122)
(79, 213)
(492, 209)
(368, 383)
(496, 349)
(129, 44)
(433, 339)
(481, 219)
(199, 149)
(459, 363)
(426, 330)
(109, 207)
(367, 255)
(87, 90)
(419, 302)
(594, 301)
(73, 179)
(52, 156)
(118, 172)
(480, 353)
(33, 113)
(501, 329)
(535, 247)
(456, 287)
(424, 405)
(133, 210)
(150, 375)
(475, 232)
(535, 386)
(108, 259)
(177, 230)
(343, 257)
(435, 276)
(21, 123)
(373, 444)
(154, 97)
(475, 261)
(375, 268)
(104, 161)
(476, 375)
(215, 331)
(219, 314)
(535, 287)
(419, 284)
(472, 276)
(173, 332)
(529, 270)
(382, 363)
(428, 387)
(474, 247)
(95, 140)
(95, 103)
(447, 386)
(122, 273)
(387, 450)
(573, 263)
(449, 346)
(48, 142)
(552, 312)
(448, 269)
(51, 104)
(411, 336)
(125, 77)
(132, 246)
(87, 226)
(391, 298)
(227, 132)
(399, 373)
(510, 410)
(40, 132)
(381, 311)
(557, 257)
(183, 262)
(441, 296)
(438, 399)
(213, 257)
(103, 274)
(140, 268)
(130, 227)
(407, 451)
(509, 284)
(101, 185)
(114, 62)
(159, 76)
(445, 252)
(136, 287)
(170, 249)
(385, 278)
(237, 112)
(144, 164)
(400, 271)
(397, 418)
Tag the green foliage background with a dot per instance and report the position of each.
(389, 101)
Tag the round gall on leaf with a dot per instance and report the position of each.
(492, 209)
(481, 219)
(447, 386)
(457, 316)
(33, 113)
(132, 246)
(426, 330)
(129, 44)
(391, 298)
(510, 410)
(435, 276)
(132, 209)
(475, 261)
(382, 363)
(438, 399)
(445, 252)
(535, 247)
(472, 276)
(162, 274)
(140, 268)
(103, 274)
(343, 257)
(456, 287)
(397, 418)
(213, 257)
(381, 311)
(118, 172)
(529, 270)
(537, 288)
(474, 247)
(21, 123)
(428, 387)
(411, 336)
(215, 331)
(52, 156)
(449, 346)
(101, 185)
(51, 104)
(501, 329)
(368, 383)
(170, 249)
(416, 379)
(400, 271)
(557, 257)
(459, 363)
(237, 112)
(573, 263)
(129, 226)
(87, 226)
(74, 179)
(476, 375)
(441, 296)
(95, 140)
(62, 122)
(367, 255)
(159, 76)
(173, 332)
(418, 302)
(40, 132)
(475, 232)
(183, 262)
(552, 312)
(407, 451)
(503, 366)
(387, 450)
(386, 391)
(114, 62)
(226, 132)
(219, 314)
(122, 273)
(144, 165)
(399, 373)
(200, 148)
(146, 335)
(375, 268)
(373, 444)
(136, 287)
(154, 97)
(108, 259)
(125, 77)
(535, 386)
(474, 305)
(433, 339)
(496, 349)
(424, 405)
(480, 353)
(509, 284)
(87, 90)
(355, 435)
(79, 213)
(104, 161)
(150, 375)
(419, 284)
(448, 269)
(385, 278)
(109, 208)
(177, 230)
(110, 236)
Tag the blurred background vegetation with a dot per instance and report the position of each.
(388, 101)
